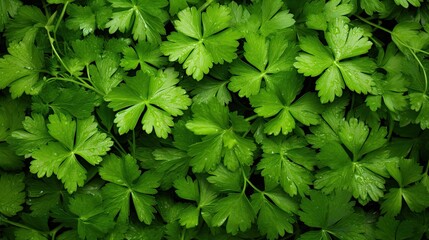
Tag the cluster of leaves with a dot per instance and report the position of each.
(191, 119)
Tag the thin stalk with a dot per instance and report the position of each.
(205, 5)
(373, 24)
(60, 19)
(423, 69)
(80, 83)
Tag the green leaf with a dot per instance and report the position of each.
(106, 73)
(20, 70)
(27, 23)
(158, 94)
(92, 221)
(12, 194)
(319, 20)
(8, 9)
(272, 220)
(279, 103)
(34, 135)
(271, 16)
(201, 40)
(44, 195)
(288, 162)
(126, 183)
(267, 60)
(345, 43)
(73, 138)
(88, 18)
(144, 18)
(236, 211)
(406, 3)
(221, 140)
(145, 54)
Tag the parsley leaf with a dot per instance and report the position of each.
(12, 194)
(344, 43)
(106, 73)
(157, 94)
(319, 20)
(268, 59)
(145, 18)
(279, 102)
(45, 194)
(236, 211)
(8, 9)
(32, 137)
(288, 162)
(198, 191)
(87, 215)
(125, 182)
(88, 18)
(21, 69)
(26, 24)
(334, 214)
(220, 127)
(270, 16)
(273, 219)
(202, 39)
(407, 173)
(390, 91)
(73, 138)
(361, 173)
(145, 54)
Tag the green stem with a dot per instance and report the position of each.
(205, 5)
(80, 83)
(423, 69)
(19, 225)
(373, 24)
(247, 181)
(117, 145)
(54, 231)
(253, 117)
(60, 18)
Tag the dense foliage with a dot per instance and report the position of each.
(192, 119)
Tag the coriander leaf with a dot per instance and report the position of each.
(145, 19)
(92, 221)
(158, 94)
(344, 43)
(279, 102)
(20, 70)
(221, 140)
(32, 137)
(236, 211)
(8, 9)
(268, 60)
(202, 39)
(126, 183)
(73, 138)
(106, 73)
(288, 162)
(12, 194)
(214, 85)
(145, 54)
(88, 18)
(272, 220)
